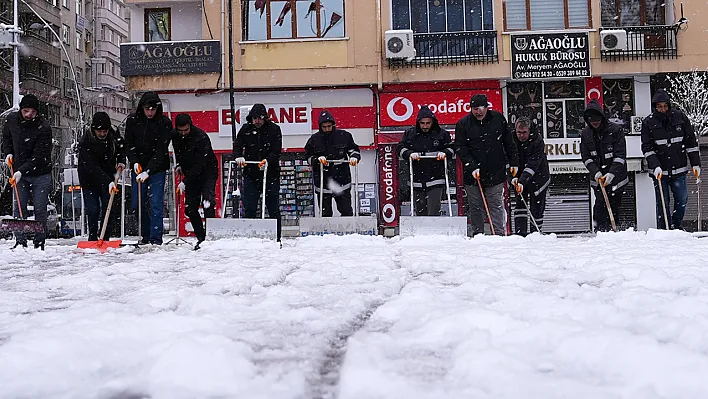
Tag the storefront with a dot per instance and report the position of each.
(398, 108)
(297, 114)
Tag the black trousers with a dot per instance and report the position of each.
(537, 205)
(192, 201)
(600, 216)
(343, 200)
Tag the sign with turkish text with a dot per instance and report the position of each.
(388, 185)
(401, 109)
(557, 149)
(293, 119)
(170, 58)
(550, 55)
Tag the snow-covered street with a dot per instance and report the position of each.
(621, 315)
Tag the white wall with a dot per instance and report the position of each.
(186, 21)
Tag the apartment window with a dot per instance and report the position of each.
(546, 14)
(633, 12)
(88, 45)
(425, 16)
(79, 47)
(158, 26)
(103, 68)
(79, 76)
(293, 19)
(111, 68)
(65, 34)
(78, 7)
(67, 71)
(65, 4)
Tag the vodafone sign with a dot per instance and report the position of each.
(401, 109)
(292, 118)
(388, 185)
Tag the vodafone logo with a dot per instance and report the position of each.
(390, 109)
(388, 212)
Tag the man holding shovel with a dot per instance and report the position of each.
(604, 153)
(27, 147)
(101, 160)
(199, 169)
(668, 139)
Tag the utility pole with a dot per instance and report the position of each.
(14, 42)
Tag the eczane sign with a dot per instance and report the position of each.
(293, 119)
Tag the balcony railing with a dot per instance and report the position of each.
(452, 48)
(642, 42)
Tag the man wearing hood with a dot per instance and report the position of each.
(330, 144)
(101, 159)
(27, 146)
(424, 139)
(535, 177)
(668, 139)
(260, 140)
(604, 153)
(486, 148)
(197, 164)
(147, 136)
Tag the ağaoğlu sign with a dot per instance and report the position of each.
(550, 55)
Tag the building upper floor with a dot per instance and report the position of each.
(294, 43)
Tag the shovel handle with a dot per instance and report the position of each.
(486, 207)
(609, 208)
(663, 203)
(108, 211)
(17, 192)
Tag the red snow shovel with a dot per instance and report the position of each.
(21, 225)
(101, 245)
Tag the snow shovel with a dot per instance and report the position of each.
(528, 210)
(101, 245)
(663, 203)
(341, 225)
(247, 228)
(486, 207)
(609, 208)
(21, 225)
(432, 225)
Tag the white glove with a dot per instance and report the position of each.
(120, 166)
(16, 178)
(206, 204)
(658, 172)
(8, 159)
(178, 170)
(608, 178)
(697, 173)
(112, 188)
(441, 156)
(180, 187)
(262, 164)
(415, 156)
(142, 177)
(475, 173)
(597, 177)
(137, 168)
(514, 170)
(323, 160)
(241, 161)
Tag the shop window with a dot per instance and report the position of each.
(546, 14)
(555, 108)
(293, 19)
(158, 25)
(633, 12)
(431, 16)
(618, 101)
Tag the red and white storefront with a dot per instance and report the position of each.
(296, 112)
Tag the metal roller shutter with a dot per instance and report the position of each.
(690, 220)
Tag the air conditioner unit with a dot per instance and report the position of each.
(636, 125)
(399, 44)
(613, 39)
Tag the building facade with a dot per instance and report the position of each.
(543, 59)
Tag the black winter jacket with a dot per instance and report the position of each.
(533, 164)
(257, 144)
(196, 157)
(668, 138)
(335, 145)
(487, 145)
(604, 150)
(147, 140)
(29, 142)
(98, 158)
(427, 173)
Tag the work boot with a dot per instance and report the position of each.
(17, 244)
(39, 245)
(200, 240)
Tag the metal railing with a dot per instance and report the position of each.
(452, 48)
(644, 42)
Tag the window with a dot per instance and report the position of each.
(67, 73)
(633, 12)
(103, 68)
(111, 68)
(158, 26)
(65, 34)
(79, 47)
(78, 7)
(428, 16)
(65, 4)
(546, 14)
(293, 19)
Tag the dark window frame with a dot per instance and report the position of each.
(146, 21)
(642, 13)
(566, 17)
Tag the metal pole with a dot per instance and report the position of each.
(263, 202)
(226, 190)
(410, 167)
(447, 189)
(122, 206)
(321, 186)
(16, 59)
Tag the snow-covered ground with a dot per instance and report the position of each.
(621, 315)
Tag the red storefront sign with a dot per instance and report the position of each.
(400, 109)
(388, 185)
